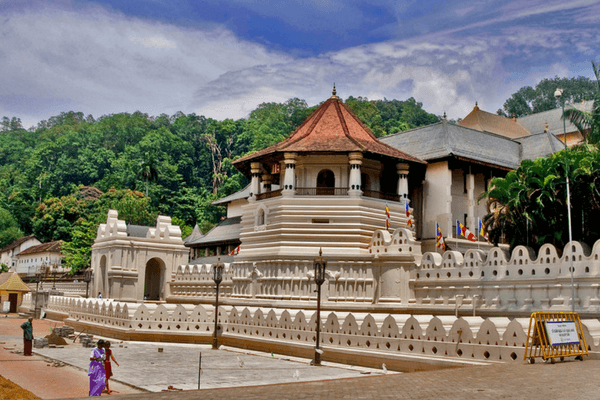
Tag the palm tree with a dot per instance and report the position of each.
(585, 121)
(149, 169)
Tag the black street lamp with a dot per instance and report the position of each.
(218, 278)
(87, 278)
(37, 278)
(320, 264)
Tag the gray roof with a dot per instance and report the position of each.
(242, 194)
(137, 231)
(536, 123)
(539, 145)
(226, 258)
(226, 231)
(443, 140)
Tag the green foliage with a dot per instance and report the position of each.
(588, 123)
(9, 230)
(173, 165)
(529, 205)
(3, 268)
(78, 251)
(528, 100)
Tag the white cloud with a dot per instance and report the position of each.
(100, 62)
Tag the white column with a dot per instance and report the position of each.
(402, 180)
(289, 179)
(255, 182)
(471, 220)
(354, 181)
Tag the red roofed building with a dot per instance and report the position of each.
(334, 179)
(46, 254)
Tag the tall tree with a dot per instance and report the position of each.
(528, 100)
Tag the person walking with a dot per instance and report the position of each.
(107, 364)
(96, 371)
(27, 327)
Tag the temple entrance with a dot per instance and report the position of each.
(155, 271)
(326, 183)
(13, 298)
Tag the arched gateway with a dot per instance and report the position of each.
(131, 262)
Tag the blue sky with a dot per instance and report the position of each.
(222, 58)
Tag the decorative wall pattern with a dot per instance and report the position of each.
(473, 338)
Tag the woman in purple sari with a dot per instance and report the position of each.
(96, 371)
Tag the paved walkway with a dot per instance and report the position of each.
(36, 374)
(228, 372)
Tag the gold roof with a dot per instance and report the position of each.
(10, 282)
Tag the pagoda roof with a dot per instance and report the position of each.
(487, 122)
(11, 282)
(331, 128)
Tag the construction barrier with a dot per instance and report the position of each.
(555, 335)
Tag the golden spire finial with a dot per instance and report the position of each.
(334, 92)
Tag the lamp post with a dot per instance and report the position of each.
(218, 278)
(320, 264)
(37, 277)
(557, 94)
(87, 278)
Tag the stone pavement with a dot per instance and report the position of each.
(37, 374)
(143, 366)
(276, 378)
(566, 380)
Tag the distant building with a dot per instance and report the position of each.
(46, 255)
(9, 253)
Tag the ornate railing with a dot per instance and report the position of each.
(268, 195)
(303, 191)
(381, 195)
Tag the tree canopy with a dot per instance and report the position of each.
(144, 166)
(528, 100)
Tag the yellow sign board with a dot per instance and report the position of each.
(555, 335)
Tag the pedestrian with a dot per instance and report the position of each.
(27, 336)
(96, 371)
(99, 295)
(107, 364)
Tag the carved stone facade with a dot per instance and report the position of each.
(133, 263)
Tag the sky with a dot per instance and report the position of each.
(222, 58)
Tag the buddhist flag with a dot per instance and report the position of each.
(235, 251)
(409, 223)
(439, 239)
(462, 230)
(387, 217)
(407, 209)
(480, 225)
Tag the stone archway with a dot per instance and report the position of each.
(154, 279)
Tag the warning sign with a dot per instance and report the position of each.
(562, 332)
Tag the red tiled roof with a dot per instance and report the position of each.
(16, 243)
(487, 122)
(331, 128)
(53, 247)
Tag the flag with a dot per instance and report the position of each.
(409, 223)
(387, 217)
(480, 224)
(439, 239)
(463, 231)
(235, 251)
